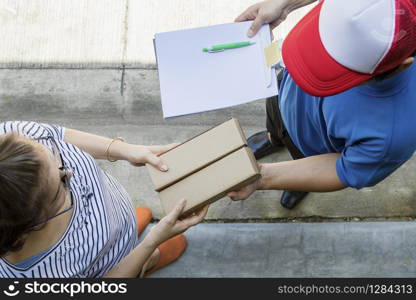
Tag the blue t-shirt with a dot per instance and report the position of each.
(373, 127)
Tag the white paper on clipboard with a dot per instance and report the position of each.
(265, 41)
(193, 81)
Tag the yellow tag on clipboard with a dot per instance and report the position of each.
(273, 54)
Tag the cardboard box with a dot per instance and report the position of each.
(212, 182)
(205, 168)
(198, 152)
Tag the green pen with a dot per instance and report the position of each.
(217, 48)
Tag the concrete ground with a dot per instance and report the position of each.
(89, 65)
(376, 249)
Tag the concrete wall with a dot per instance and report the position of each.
(103, 33)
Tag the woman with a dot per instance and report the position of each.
(62, 216)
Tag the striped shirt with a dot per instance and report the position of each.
(102, 230)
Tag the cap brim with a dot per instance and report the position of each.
(311, 66)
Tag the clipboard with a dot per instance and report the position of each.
(193, 81)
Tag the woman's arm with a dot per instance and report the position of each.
(97, 147)
(312, 174)
(132, 265)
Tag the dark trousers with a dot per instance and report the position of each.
(276, 128)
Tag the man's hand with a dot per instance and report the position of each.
(271, 12)
(244, 192)
(267, 12)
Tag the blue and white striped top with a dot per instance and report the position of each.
(103, 227)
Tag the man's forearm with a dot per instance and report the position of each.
(312, 174)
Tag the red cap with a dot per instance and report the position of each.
(340, 44)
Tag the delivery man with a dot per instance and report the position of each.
(347, 100)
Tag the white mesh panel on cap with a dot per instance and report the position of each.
(357, 33)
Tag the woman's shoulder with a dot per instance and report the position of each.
(32, 129)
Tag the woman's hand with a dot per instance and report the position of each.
(271, 12)
(138, 155)
(171, 225)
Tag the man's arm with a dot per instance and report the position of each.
(312, 174)
(271, 12)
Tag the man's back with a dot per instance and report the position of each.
(372, 126)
